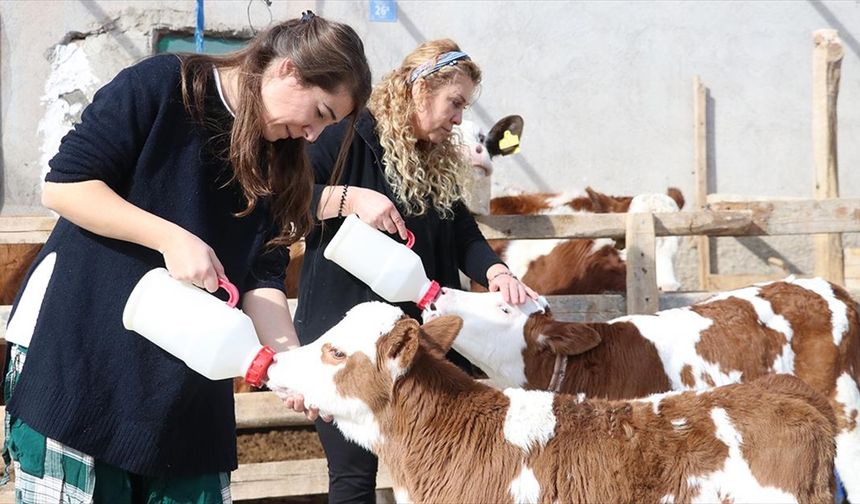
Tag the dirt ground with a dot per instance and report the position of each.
(297, 443)
(280, 444)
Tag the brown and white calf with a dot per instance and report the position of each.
(447, 438)
(582, 266)
(806, 327)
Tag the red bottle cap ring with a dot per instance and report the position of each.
(429, 296)
(259, 366)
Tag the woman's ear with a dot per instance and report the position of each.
(287, 68)
(419, 95)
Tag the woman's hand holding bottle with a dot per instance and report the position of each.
(190, 259)
(376, 209)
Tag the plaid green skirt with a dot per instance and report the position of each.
(47, 472)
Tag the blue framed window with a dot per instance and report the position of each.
(172, 41)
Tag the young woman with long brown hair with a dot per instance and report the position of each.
(195, 163)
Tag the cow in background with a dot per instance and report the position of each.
(582, 266)
(806, 327)
(592, 266)
(480, 148)
(448, 438)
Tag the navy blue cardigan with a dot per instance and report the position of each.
(327, 291)
(88, 382)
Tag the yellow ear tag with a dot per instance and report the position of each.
(509, 140)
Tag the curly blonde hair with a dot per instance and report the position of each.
(420, 172)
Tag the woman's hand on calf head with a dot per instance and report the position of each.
(512, 289)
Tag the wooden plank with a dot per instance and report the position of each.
(612, 225)
(642, 293)
(17, 224)
(26, 229)
(263, 410)
(731, 218)
(700, 167)
(826, 68)
(24, 237)
(588, 308)
(799, 217)
(288, 478)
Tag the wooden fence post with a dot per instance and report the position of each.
(826, 69)
(700, 161)
(642, 294)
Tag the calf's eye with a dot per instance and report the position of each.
(336, 354)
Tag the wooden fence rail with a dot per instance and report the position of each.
(723, 218)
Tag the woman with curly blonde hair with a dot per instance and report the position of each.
(404, 169)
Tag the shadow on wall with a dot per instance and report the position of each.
(844, 33)
(754, 244)
(104, 19)
(768, 255)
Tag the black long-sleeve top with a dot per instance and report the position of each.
(327, 291)
(88, 382)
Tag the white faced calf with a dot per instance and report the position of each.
(808, 328)
(448, 438)
(479, 148)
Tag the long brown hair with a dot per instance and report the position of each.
(325, 54)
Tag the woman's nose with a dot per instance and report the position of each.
(311, 133)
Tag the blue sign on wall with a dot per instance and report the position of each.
(383, 11)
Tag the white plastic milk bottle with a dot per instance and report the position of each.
(390, 268)
(212, 337)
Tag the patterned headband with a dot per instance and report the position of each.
(433, 66)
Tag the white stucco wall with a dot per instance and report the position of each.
(605, 87)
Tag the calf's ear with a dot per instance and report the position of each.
(401, 343)
(603, 203)
(569, 338)
(513, 124)
(441, 333)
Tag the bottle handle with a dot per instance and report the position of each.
(231, 289)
